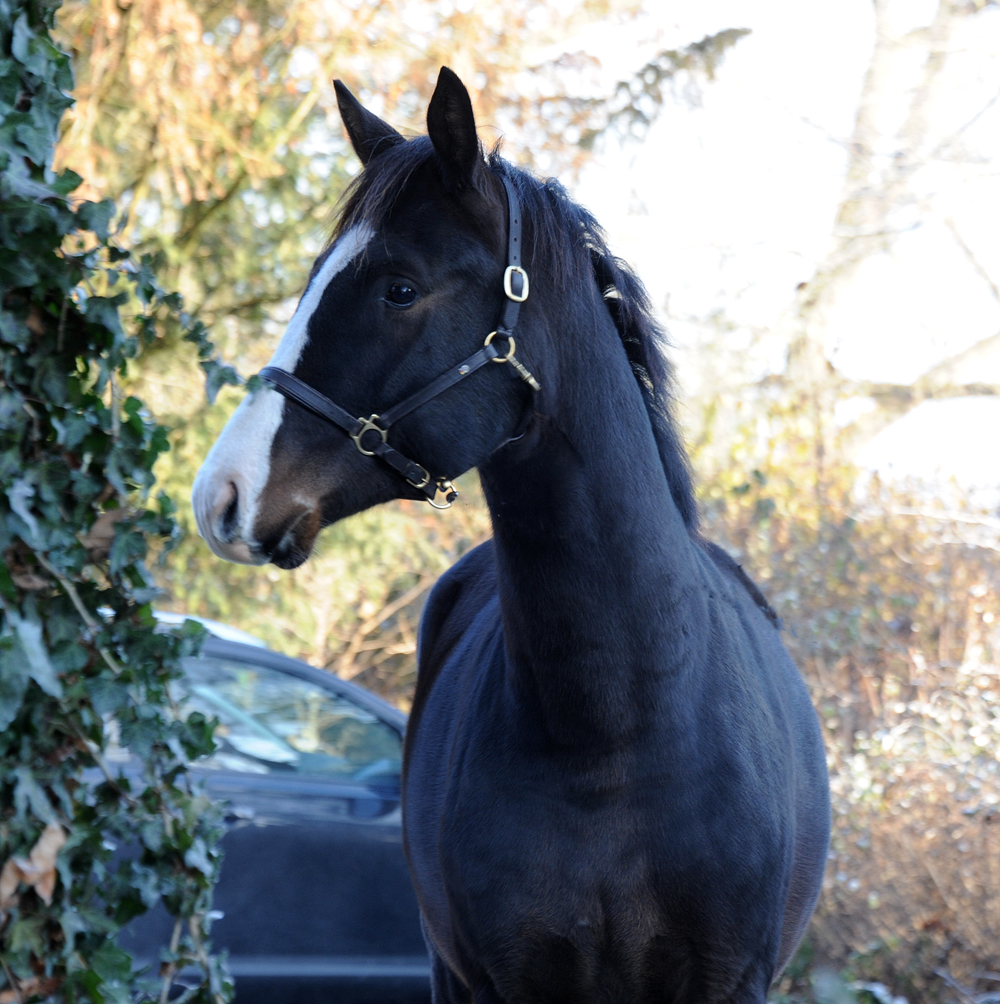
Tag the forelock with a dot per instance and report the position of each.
(372, 195)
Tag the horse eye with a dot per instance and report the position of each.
(400, 294)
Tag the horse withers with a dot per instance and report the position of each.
(614, 782)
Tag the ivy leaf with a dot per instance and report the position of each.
(67, 182)
(72, 924)
(16, 271)
(21, 47)
(13, 680)
(217, 376)
(27, 933)
(103, 310)
(129, 546)
(28, 792)
(96, 217)
(196, 856)
(19, 494)
(7, 584)
(32, 648)
(34, 140)
(111, 963)
(108, 695)
(13, 330)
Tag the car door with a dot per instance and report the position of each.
(315, 895)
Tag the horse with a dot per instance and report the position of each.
(614, 781)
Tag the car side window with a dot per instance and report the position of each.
(271, 722)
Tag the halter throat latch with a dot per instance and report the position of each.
(371, 435)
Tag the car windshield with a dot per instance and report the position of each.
(273, 722)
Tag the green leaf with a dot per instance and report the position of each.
(72, 924)
(218, 376)
(198, 735)
(20, 494)
(69, 658)
(32, 648)
(20, 43)
(7, 588)
(111, 963)
(16, 271)
(13, 679)
(145, 879)
(96, 216)
(27, 933)
(103, 310)
(140, 737)
(91, 984)
(196, 856)
(129, 546)
(108, 695)
(67, 182)
(37, 142)
(28, 793)
(12, 329)
(152, 834)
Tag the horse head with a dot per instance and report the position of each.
(410, 286)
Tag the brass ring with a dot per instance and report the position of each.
(510, 347)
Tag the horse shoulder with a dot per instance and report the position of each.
(452, 605)
(811, 823)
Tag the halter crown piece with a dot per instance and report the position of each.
(371, 434)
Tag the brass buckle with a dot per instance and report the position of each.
(444, 494)
(367, 424)
(511, 295)
(510, 347)
(420, 484)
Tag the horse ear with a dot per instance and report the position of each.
(451, 126)
(369, 135)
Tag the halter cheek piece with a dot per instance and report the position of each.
(370, 434)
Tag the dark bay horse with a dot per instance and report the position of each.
(614, 785)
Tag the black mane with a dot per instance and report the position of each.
(566, 235)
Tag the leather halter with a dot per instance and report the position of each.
(370, 434)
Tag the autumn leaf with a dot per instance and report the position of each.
(101, 536)
(38, 869)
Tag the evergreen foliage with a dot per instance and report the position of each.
(93, 750)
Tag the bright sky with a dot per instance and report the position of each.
(726, 206)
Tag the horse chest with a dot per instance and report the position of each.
(591, 910)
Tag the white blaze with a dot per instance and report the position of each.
(240, 460)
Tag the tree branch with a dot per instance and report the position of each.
(973, 260)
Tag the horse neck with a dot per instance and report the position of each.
(597, 575)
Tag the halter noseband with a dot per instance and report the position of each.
(370, 434)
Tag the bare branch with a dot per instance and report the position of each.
(970, 254)
(346, 669)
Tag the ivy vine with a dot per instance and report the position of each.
(87, 839)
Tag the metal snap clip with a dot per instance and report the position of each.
(444, 494)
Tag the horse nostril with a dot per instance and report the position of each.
(230, 516)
